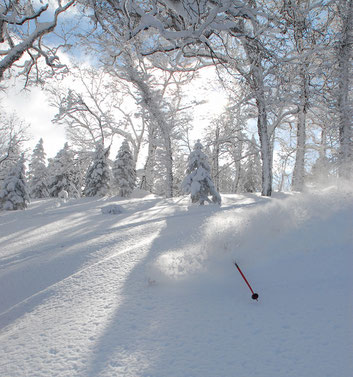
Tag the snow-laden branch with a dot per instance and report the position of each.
(17, 42)
(13, 21)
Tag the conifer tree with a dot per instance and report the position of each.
(38, 174)
(252, 169)
(198, 182)
(14, 191)
(320, 171)
(13, 156)
(62, 173)
(124, 170)
(98, 174)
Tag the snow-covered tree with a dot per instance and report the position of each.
(320, 172)
(13, 155)
(152, 101)
(13, 132)
(345, 100)
(198, 182)
(14, 191)
(23, 26)
(179, 172)
(252, 169)
(124, 170)
(89, 112)
(98, 174)
(38, 174)
(62, 173)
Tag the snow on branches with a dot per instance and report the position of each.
(22, 28)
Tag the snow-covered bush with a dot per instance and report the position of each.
(14, 191)
(198, 182)
(63, 195)
(98, 174)
(124, 170)
(112, 209)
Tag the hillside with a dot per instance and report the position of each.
(152, 291)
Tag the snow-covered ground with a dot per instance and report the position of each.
(152, 291)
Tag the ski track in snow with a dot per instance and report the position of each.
(152, 292)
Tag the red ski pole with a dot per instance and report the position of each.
(254, 296)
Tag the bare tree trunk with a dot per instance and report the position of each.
(266, 155)
(215, 159)
(299, 24)
(323, 143)
(256, 81)
(168, 166)
(237, 154)
(299, 167)
(147, 179)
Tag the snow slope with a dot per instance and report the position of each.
(152, 291)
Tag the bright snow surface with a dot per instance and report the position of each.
(153, 291)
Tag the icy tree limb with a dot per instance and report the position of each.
(16, 51)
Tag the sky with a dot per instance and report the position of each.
(34, 109)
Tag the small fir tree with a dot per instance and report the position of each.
(198, 182)
(14, 192)
(124, 170)
(252, 169)
(320, 171)
(62, 171)
(98, 174)
(38, 174)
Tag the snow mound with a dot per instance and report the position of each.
(140, 193)
(176, 265)
(112, 209)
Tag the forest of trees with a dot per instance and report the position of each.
(129, 77)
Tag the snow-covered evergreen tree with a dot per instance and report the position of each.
(198, 182)
(14, 191)
(124, 170)
(320, 171)
(81, 165)
(38, 174)
(13, 156)
(62, 173)
(98, 174)
(252, 169)
(179, 172)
